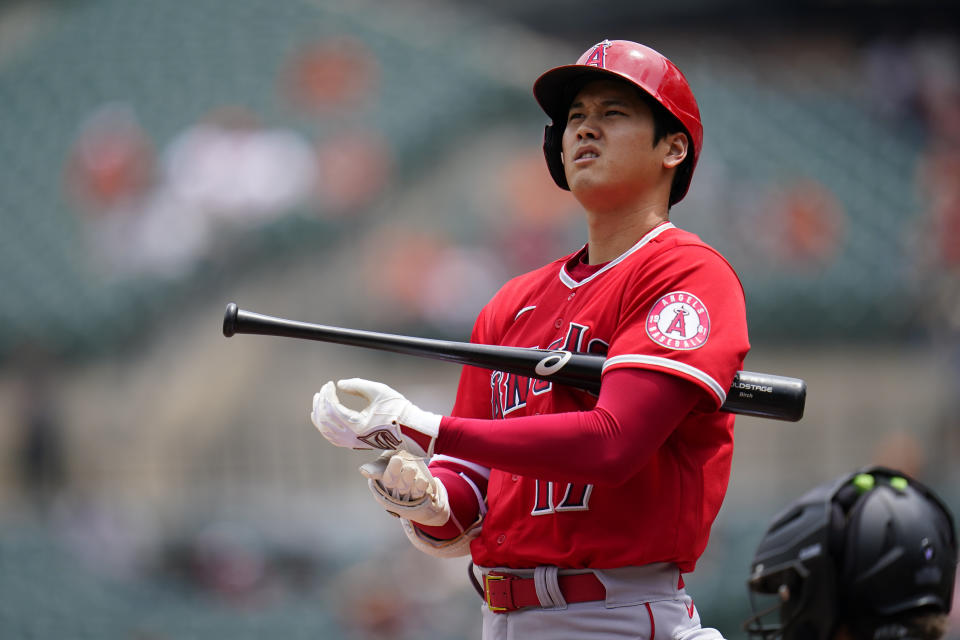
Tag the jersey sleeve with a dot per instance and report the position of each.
(687, 319)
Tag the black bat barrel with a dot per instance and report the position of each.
(767, 396)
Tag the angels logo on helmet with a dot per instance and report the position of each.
(598, 55)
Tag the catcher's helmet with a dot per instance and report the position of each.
(870, 544)
(640, 66)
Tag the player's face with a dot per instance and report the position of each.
(608, 150)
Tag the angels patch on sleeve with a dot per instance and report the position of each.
(680, 321)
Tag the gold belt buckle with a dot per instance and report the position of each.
(486, 579)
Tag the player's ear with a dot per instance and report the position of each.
(676, 149)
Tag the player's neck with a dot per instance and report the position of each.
(611, 233)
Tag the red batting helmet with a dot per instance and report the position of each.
(640, 66)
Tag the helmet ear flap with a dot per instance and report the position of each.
(553, 153)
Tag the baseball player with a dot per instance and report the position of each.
(583, 512)
(871, 555)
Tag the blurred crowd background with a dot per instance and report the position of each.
(378, 165)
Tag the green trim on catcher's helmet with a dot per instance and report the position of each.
(636, 64)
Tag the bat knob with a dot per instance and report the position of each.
(230, 319)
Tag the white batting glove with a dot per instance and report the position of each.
(404, 486)
(376, 426)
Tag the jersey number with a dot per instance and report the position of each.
(574, 496)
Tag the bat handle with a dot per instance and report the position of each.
(230, 319)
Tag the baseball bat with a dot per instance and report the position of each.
(754, 394)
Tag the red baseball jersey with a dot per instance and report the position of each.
(670, 304)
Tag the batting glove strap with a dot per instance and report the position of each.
(404, 486)
(418, 430)
(431, 510)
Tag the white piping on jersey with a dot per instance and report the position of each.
(653, 233)
(476, 491)
(523, 311)
(483, 471)
(671, 364)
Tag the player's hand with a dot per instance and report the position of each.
(377, 425)
(404, 486)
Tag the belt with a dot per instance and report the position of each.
(505, 592)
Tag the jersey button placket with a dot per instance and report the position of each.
(501, 538)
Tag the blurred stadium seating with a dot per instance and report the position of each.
(429, 87)
(171, 66)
